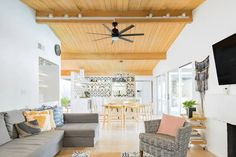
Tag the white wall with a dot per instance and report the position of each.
(145, 85)
(213, 21)
(65, 88)
(19, 35)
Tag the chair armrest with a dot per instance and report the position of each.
(152, 126)
(183, 136)
(80, 117)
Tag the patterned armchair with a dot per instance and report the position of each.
(160, 145)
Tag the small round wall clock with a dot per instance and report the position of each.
(57, 49)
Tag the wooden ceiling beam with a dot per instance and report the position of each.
(113, 56)
(109, 16)
(128, 13)
(103, 73)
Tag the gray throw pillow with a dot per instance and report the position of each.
(4, 136)
(29, 128)
(12, 118)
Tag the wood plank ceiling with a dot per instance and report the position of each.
(80, 51)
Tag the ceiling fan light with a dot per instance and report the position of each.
(115, 38)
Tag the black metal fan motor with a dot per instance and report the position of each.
(115, 31)
(116, 34)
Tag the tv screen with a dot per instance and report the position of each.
(225, 59)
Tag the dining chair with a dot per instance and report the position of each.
(132, 111)
(114, 112)
(146, 111)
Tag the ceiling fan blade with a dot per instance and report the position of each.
(107, 28)
(99, 34)
(101, 39)
(136, 34)
(131, 41)
(126, 29)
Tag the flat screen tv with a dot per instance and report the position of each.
(225, 60)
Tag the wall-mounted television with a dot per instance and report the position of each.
(225, 60)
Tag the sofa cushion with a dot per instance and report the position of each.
(11, 118)
(28, 128)
(32, 146)
(80, 129)
(81, 118)
(51, 113)
(58, 115)
(4, 136)
(43, 118)
(159, 140)
(52, 121)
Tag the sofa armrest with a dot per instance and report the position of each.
(80, 117)
(152, 126)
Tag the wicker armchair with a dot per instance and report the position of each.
(160, 145)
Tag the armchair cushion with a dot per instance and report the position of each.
(159, 140)
(170, 125)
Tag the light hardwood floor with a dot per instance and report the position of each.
(115, 139)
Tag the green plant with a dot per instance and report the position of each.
(65, 101)
(189, 104)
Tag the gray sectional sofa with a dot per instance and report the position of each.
(80, 130)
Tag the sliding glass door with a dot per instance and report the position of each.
(180, 88)
(186, 84)
(173, 89)
(162, 106)
(173, 92)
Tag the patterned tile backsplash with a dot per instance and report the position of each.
(115, 86)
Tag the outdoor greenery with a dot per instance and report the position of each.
(189, 104)
(65, 102)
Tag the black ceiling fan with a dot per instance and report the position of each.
(116, 34)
